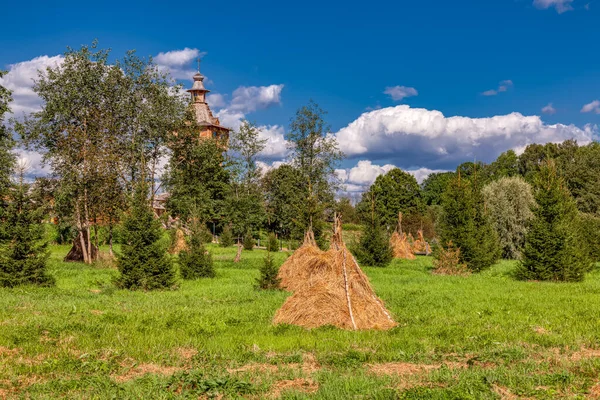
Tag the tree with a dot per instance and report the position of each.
(552, 251)
(505, 166)
(433, 187)
(395, 192)
(345, 208)
(24, 254)
(144, 262)
(226, 238)
(245, 207)
(509, 202)
(7, 159)
(315, 154)
(466, 224)
(197, 261)
(99, 126)
(374, 246)
(268, 279)
(196, 178)
(284, 200)
(248, 241)
(582, 176)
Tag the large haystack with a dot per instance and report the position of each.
(297, 268)
(420, 246)
(335, 292)
(400, 244)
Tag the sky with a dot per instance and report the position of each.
(419, 85)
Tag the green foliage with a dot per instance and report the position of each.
(582, 176)
(509, 202)
(284, 195)
(226, 238)
(196, 178)
(395, 192)
(465, 223)
(552, 251)
(589, 235)
(23, 252)
(272, 242)
(434, 186)
(268, 279)
(197, 261)
(143, 263)
(248, 241)
(505, 166)
(374, 246)
(345, 208)
(7, 159)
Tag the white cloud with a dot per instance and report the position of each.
(276, 146)
(593, 106)
(549, 109)
(560, 5)
(20, 79)
(503, 86)
(415, 136)
(34, 162)
(177, 62)
(247, 99)
(215, 100)
(397, 93)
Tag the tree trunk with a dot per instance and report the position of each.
(83, 247)
(238, 256)
(80, 245)
(110, 240)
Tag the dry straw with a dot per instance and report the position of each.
(331, 289)
(400, 245)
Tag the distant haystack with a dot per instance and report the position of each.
(400, 244)
(333, 290)
(420, 246)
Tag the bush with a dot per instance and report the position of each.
(589, 235)
(144, 262)
(226, 238)
(374, 246)
(248, 241)
(447, 261)
(272, 243)
(268, 279)
(197, 261)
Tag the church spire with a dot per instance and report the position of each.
(198, 91)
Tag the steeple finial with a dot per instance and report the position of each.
(198, 64)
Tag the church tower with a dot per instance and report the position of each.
(210, 127)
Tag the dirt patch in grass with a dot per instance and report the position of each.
(585, 354)
(140, 370)
(595, 391)
(304, 385)
(96, 312)
(187, 353)
(540, 330)
(308, 366)
(402, 369)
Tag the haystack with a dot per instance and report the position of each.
(335, 292)
(179, 244)
(420, 246)
(399, 242)
(297, 268)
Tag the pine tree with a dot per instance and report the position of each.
(197, 261)
(268, 279)
(248, 241)
(551, 250)
(272, 243)
(226, 238)
(144, 262)
(374, 247)
(466, 224)
(23, 254)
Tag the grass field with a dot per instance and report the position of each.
(482, 336)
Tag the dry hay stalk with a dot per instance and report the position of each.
(420, 246)
(238, 255)
(297, 268)
(401, 247)
(180, 243)
(336, 292)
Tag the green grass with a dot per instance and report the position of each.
(487, 336)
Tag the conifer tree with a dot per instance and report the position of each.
(272, 243)
(551, 250)
(226, 238)
(196, 262)
(143, 262)
(248, 241)
(268, 279)
(374, 247)
(24, 254)
(466, 224)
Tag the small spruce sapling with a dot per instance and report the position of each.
(248, 241)
(268, 279)
(226, 238)
(272, 243)
(374, 246)
(196, 262)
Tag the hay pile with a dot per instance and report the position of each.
(179, 242)
(420, 246)
(297, 268)
(331, 289)
(399, 242)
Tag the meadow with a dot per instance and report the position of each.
(484, 336)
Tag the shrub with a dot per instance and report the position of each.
(197, 261)
(268, 279)
(447, 261)
(374, 246)
(272, 243)
(226, 238)
(144, 262)
(248, 242)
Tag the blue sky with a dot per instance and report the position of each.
(345, 55)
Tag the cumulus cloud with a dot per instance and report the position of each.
(561, 6)
(20, 79)
(549, 109)
(177, 62)
(503, 86)
(594, 106)
(216, 100)
(34, 162)
(415, 136)
(247, 99)
(397, 93)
